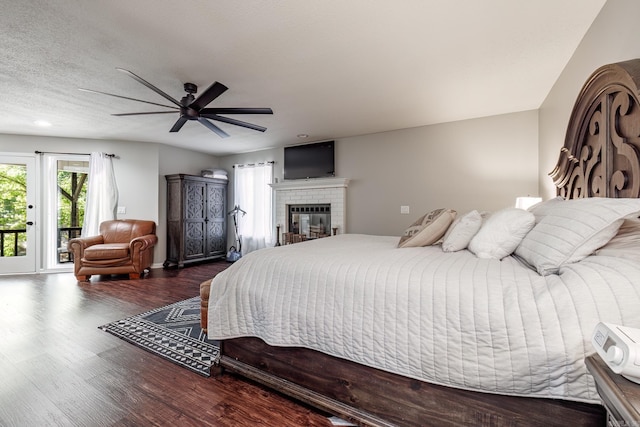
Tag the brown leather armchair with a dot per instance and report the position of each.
(122, 247)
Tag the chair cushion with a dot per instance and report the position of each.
(106, 251)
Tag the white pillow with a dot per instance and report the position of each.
(501, 233)
(626, 243)
(572, 230)
(462, 231)
(428, 229)
(540, 210)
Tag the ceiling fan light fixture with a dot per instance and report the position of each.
(190, 88)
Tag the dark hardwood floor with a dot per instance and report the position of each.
(58, 369)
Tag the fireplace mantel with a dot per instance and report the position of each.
(309, 191)
(307, 184)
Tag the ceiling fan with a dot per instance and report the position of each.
(192, 108)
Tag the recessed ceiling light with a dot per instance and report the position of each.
(302, 135)
(42, 123)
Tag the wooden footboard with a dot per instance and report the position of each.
(369, 396)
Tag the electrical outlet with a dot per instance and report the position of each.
(122, 210)
(404, 209)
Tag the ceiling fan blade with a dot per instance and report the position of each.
(178, 124)
(143, 113)
(211, 93)
(149, 85)
(213, 127)
(126, 97)
(234, 122)
(236, 111)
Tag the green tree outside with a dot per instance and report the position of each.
(72, 196)
(13, 209)
(72, 192)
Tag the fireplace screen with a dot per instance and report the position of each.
(310, 221)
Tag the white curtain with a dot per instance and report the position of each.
(102, 194)
(254, 195)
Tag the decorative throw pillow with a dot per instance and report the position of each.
(573, 230)
(501, 233)
(462, 231)
(428, 229)
(626, 243)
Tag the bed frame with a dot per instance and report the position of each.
(600, 158)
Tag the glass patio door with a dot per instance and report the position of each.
(64, 198)
(17, 214)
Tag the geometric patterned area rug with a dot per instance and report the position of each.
(172, 332)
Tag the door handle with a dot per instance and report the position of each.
(29, 222)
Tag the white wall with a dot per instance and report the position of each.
(613, 37)
(473, 164)
(479, 164)
(139, 169)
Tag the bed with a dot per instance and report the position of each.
(493, 331)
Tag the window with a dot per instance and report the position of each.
(254, 195)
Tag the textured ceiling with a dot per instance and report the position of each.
(329, 69)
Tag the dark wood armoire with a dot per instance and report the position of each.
(196, 219)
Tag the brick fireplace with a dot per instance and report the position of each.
(320, 191)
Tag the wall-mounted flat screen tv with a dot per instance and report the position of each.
(309, 160)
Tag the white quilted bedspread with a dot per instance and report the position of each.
(446, 318)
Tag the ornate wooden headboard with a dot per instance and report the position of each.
(601, 153)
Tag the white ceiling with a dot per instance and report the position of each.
(329, 69)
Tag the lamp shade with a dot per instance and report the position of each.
(526, 202)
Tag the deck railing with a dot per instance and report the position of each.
(64, 235)
(17, 250)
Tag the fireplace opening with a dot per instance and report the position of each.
(310, 221)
